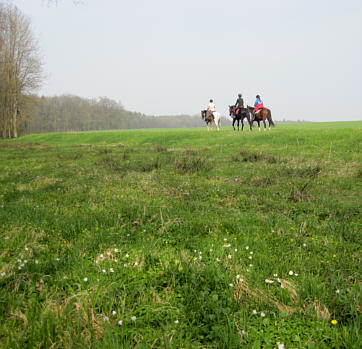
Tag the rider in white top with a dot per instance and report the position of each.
(211, 106)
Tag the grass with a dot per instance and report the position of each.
(192, 239)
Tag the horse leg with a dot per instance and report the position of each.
(238, 124)
(242, 125)
(234, 123)
(258, 125)
(264, 125)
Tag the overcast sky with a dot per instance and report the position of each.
(304, 57)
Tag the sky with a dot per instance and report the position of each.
(169, 57)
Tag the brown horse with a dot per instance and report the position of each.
(261, 115)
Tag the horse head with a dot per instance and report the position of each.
(232, 110)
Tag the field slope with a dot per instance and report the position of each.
(182, 238)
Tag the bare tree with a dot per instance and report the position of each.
(20, 68)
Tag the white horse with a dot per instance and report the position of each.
(211, 117)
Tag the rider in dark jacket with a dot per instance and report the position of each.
(239, 103)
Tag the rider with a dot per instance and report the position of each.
(211, 107)
(258, 104)
(239, 103)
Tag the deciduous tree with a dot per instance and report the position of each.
(20, 68)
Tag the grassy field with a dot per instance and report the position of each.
(182, 238)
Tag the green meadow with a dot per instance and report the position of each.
(182, 238)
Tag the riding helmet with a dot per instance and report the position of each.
(257, 96)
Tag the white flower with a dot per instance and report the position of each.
(269, 281)
(250, 265)
(135, 264)
(225, 239)
(26, 248)
(272, 230)
(120, 322)
(211, 250)
(96, 262)
(108, 253)
(200, 253)
(106, 318)
(231, 285)
(195, 251)
(227, 245)
(229, 256)
(262, 314)
(244, 333)
(101, 256)
(125, 265)
(280, 345)
(247, 270)
(275, 275)
(133, 318)
(338, 291)
(36, 261)
(103, 270)
(247, 247)
(237, 277)
(176, 322)
(255, 312)
(304, 245)
(250, 257)
(85, 279)
(291, 272)
(111, 270)
(114, 313)
(116, 250)
(200, 257)
(217, 260)
(127, 255)
(236, 250)
(3, 273)
(281, 286)
(251, 252)
(57, 259)
(116, 261)
(295, 274)
(25, 261)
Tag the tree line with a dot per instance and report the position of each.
(73, 113)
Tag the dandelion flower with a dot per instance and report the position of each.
(133, 318)
(334, 256)
(334, 322)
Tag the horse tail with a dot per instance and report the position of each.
(270, 118)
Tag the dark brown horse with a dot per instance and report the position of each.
(261, 115)
(239, 116)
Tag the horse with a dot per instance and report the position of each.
(240, 116)
(211, 117)
(261, 115)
